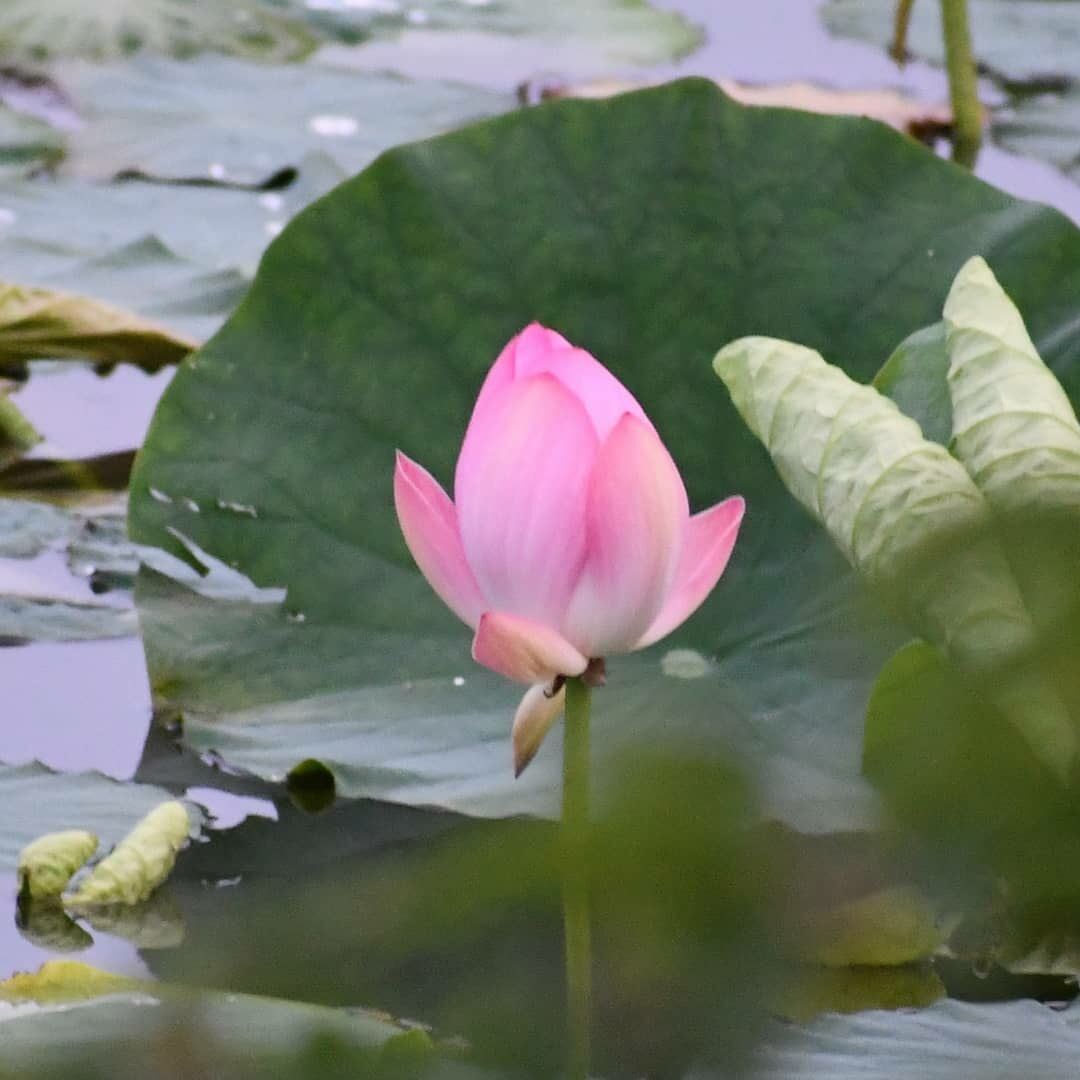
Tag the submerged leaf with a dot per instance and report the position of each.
(39, 323)
(140, 862)
(1013, 426)
(47, 864)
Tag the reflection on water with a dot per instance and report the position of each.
(74, 706)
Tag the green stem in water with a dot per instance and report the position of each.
(963, 82)
(576, 920)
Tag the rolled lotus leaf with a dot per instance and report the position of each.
(139, 863)
(904, 512)
(47, 864)
(1014, 428)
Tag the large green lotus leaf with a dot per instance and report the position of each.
(953, 1040)
(1018, 40)
(662, 225)
(499, 44)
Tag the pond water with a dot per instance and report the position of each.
(86, 705)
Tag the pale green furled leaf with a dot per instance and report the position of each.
(847, 453)
(1014, 428)
(140, 862)
(47, 864)
(38, 323)
(905, 514)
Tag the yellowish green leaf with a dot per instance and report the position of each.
(47, 864)
(64, 980)
(139, 863)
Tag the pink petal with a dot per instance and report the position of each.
(708, 546)
(429, 523)
(538, 711)
(521, 350)
(523, 650)
(604, 397)
(521, 487)
(538, 351)
(637, 518)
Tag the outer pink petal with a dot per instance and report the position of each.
(429, 522)
(523, 650)
(709, 542)
(637, 520)
(521, 488)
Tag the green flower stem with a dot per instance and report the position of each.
(576, 920)
(963, 82)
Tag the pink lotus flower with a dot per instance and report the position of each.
(570, 537)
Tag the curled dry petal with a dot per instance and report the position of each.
(523, 650)
(539, 709)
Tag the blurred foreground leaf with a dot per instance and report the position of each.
(72, 1020)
